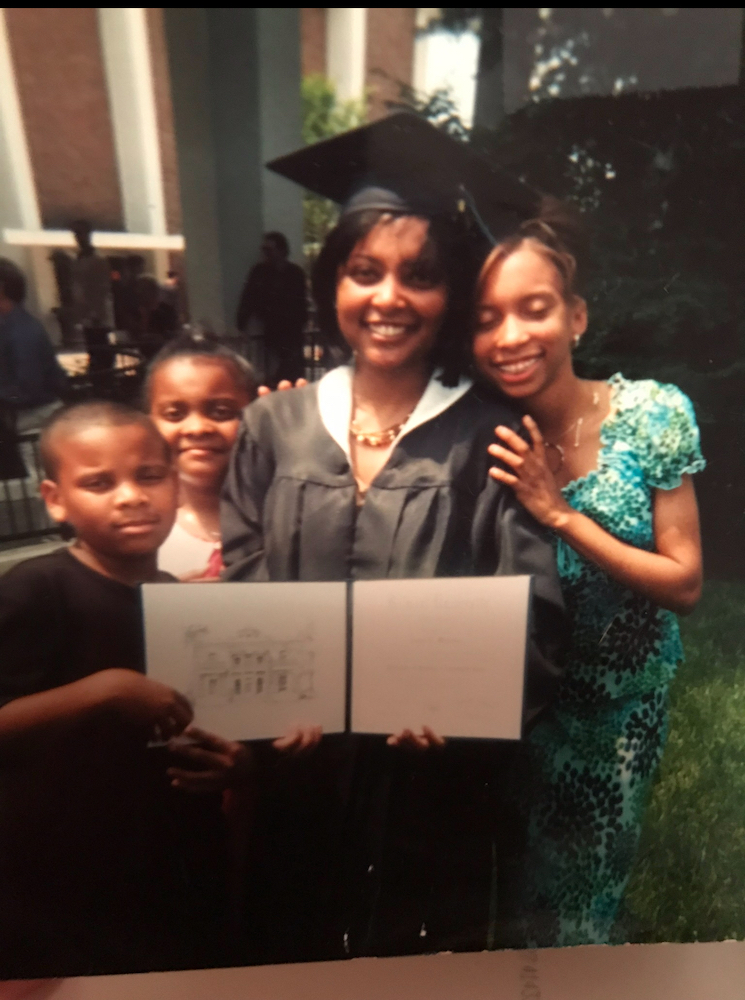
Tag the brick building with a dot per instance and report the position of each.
(364, 50)
(86, 131)
(120, 116)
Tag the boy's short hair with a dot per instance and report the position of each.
(79, 416)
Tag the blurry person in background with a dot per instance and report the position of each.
(156, 319)
(174, 293)
(143, 309)
(62, 264)
(32, 382)
(275, 295)
(123, 286)
(91, 293)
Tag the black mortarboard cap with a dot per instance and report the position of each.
(402, 163)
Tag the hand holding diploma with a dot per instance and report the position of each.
(143, 701)
(424, 740)
(300, 739)
(208, 763)
(288, 661)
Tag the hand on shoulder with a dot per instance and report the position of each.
(264, 390)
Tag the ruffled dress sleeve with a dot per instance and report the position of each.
(668, 442)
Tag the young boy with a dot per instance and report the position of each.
(91, 878)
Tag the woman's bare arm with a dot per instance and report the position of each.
(670, 576)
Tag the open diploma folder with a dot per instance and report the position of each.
(376, 656)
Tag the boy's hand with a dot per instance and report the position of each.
(417, 741)
(145, 702)
(300, 739)
(211, 764)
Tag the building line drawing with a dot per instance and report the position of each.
(252, 668)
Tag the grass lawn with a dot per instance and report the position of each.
(688, 882)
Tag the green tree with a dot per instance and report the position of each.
(438, 107)
(324, 116)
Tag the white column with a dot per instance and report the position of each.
(129, 77)
(19, 207)
(18, 204)
(346, 43)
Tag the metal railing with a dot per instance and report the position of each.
(23, 514)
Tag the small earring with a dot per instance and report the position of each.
(576, 340)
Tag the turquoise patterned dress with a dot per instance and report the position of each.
(598, 752)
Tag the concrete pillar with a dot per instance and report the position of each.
(235, 83)
(129, 78)
(488, 109)
(346, 47)
(281, 119)
(189, 64)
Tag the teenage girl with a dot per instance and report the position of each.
(609, 473)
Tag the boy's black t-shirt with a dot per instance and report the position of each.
(92, 871)
(61, 621)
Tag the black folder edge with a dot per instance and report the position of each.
(528, 638)
(348, 691)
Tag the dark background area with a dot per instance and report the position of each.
(638, 116)
(660, 176)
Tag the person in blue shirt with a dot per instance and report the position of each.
(32, 382)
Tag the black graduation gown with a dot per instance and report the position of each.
(413, 832)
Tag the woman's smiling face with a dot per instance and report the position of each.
(525, 326)
(391, 296)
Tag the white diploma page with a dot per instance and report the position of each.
(445, 653)
(252, 658)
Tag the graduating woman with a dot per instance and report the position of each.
(608, 470)
(380, 470)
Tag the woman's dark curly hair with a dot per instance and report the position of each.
(449, 255)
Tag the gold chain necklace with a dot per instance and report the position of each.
(377, 439)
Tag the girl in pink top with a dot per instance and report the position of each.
(195, 391)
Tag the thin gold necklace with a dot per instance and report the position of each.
(198, 529)
(577, 433)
